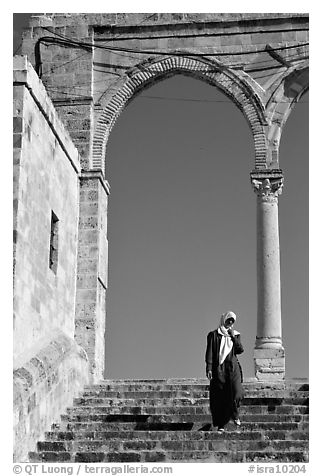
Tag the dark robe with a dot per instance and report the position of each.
(226, 389)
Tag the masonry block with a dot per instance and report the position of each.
(91, 287)
(269, 364)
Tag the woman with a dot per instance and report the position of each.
(224, 372)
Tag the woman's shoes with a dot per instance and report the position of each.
(221, 430)
(237, 422)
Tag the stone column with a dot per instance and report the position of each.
(269, 356)
(92, 270)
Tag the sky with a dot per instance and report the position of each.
(182, 231)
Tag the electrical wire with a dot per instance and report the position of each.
(164, 98)
(54, 68)
(97, 82)
(294, 57)
(80, 56)
(290, 58)
(65, 41)
(115, 37)
(119, 37)
(93, 83)
(69, 43)
(84, 85)
(80, 44)
(193, 100)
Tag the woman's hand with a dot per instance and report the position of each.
(209, 374)
(231, 332)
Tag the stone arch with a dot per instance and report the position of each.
(284, 94)
(238, 86)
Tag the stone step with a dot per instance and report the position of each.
(175, 401)
(240, 434)
(172, 456)
(198, 393)
(171, 426)
(203, 380)
(164, 418)
(184, 410)
(215, 444)
(190, 384)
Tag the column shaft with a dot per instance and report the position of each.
(269, 325)
(269, 356)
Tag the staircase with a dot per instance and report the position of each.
(169, 420)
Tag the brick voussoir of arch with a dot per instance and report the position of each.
(235, 86)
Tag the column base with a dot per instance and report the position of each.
(269, 364)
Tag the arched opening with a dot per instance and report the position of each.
(245, 93)
(181, 230)
(294, 239)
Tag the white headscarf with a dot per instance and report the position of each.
(226, 343)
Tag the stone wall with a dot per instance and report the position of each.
(49, 369)
(46, 171)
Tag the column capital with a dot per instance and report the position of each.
(267, 184)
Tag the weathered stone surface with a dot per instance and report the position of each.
(92, 274)
(47, 179)
(178, 428)
(43, 387)
(269, 353)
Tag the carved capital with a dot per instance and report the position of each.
(268, 189)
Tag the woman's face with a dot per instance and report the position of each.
(229, 322)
